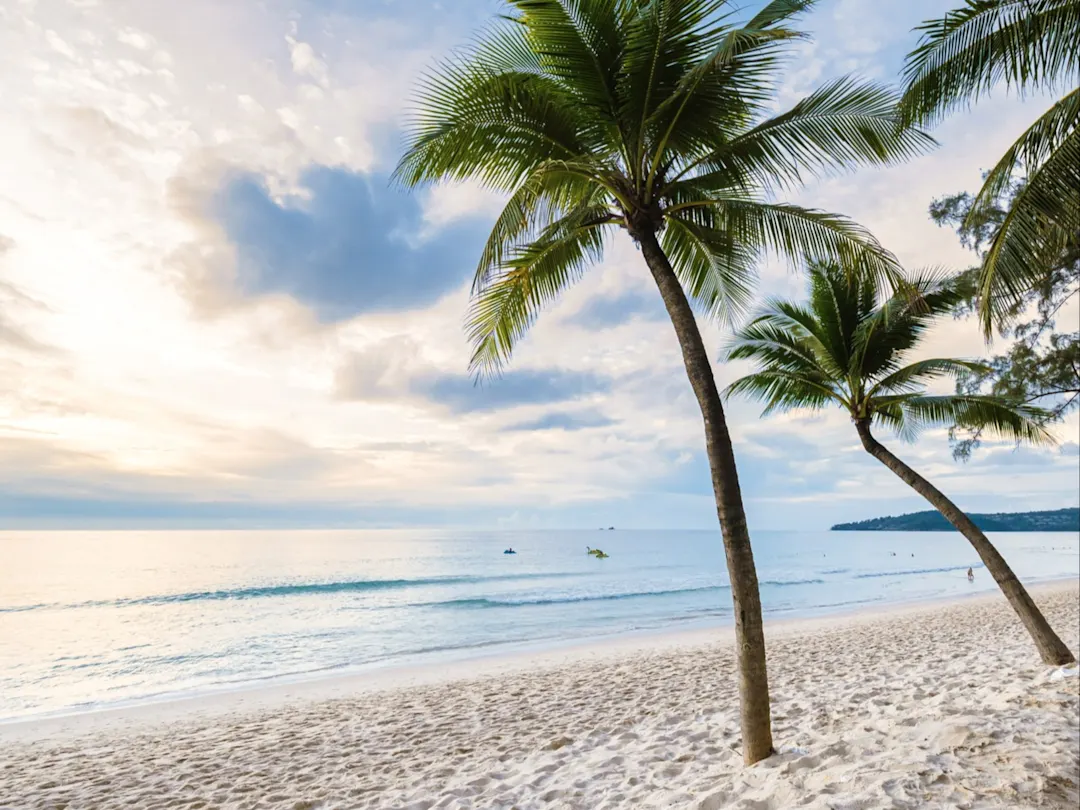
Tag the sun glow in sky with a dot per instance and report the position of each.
(216, 310)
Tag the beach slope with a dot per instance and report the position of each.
(929, 706)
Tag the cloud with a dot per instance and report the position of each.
(445, 203)
(252, 326)
(14, 302)
(516, 387)
(396, 369)
(602, 311)
(564, 420)
(305, 62)
(347, 246)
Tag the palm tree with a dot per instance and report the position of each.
(842, 349)
(1026, 45)
(649, 116)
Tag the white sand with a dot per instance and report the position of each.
(935, 706)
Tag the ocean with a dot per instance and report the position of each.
(91, 620)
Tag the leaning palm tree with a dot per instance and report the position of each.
(842, 349)
(1025, 45)
(650, 116)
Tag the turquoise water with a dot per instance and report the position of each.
(95, 619)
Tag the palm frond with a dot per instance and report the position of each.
(492, 127)
(716, 98)
(782, 391)
(887, 334)
(783, 322)
(718, 273)
(1043, 218)
(892, 415)
(993, 415)
(1030, 151)
(919, 373)
(841, 302)
(1024, 44)
(552, 191)
(662, 38)
(772, 342)
(794, 233)
(842, 125)
(579, 43)
(776, 12)
(506, 306)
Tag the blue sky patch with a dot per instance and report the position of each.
(354, 247)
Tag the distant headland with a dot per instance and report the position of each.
(1057, 520)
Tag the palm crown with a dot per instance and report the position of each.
(1027, 45)
(646, 115)
(844, 349)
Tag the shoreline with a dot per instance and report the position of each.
(507, 660)
(923, 706)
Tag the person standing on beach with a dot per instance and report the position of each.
(971, 575)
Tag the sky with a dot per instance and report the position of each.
(217, 310)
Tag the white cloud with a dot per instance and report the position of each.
(305, 62)
(140, 368)
(449, 202)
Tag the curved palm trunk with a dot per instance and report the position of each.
(1051, 648)
(749, 633)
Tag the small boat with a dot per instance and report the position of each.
(509, 551)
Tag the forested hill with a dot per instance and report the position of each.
(1058, 520)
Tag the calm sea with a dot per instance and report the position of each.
(96, 619)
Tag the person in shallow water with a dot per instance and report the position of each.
(971, 575)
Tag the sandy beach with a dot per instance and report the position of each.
(934, 705)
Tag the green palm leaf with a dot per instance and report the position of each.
(845, 348)
(1033, 148)
(578, 43)
(888, 333)
(1018, 423)
(717, 272)
(794, 233)
(595, 105)
(553, 189)
(1025, 44)
(507, 304)
(783, 391)
(917, 374)
(493, 128)
(661, 40)
(812, 331)
(788, 349)
(1044, 217)
(838, 127)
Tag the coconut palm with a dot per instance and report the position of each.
(1025, 45)
(650, 117)
(842, 349)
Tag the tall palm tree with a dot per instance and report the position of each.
(1025, 45)
(841, 349)
(650, 116)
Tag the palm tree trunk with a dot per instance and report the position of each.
(1051, 648)
(749, 632)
